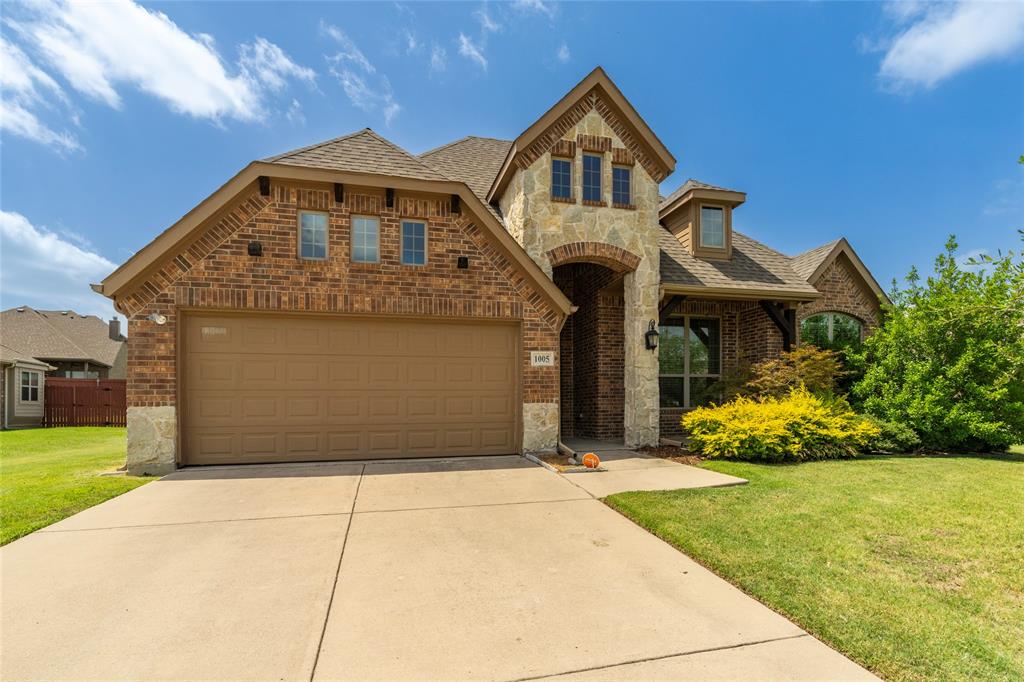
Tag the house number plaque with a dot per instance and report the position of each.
(542, 358)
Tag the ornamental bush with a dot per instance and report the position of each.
(948, 360)
(796, 427)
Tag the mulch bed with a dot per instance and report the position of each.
(672, 453)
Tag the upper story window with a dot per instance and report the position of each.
(622, 185)
(690, 361)
(414, 242)
(561, 178)
(30, 387)
(365, 239)
(832, 331)
(312, 235)
(712, 226)
(591, 177)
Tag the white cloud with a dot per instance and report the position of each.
(538, 6)
(359, 79)
(438, 58)
(487, 23)
(99, 47)
(563, 53)
(472, 51)
(411, 43)
(25, 87)
(268, 65)
(41, 269)
(937, 41)
(294, 113)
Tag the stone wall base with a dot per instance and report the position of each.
(540, 427)
(152, 440)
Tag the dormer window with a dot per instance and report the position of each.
(712, 227)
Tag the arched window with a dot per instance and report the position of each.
(834, 331)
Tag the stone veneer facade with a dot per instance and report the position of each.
(214, 271)
(541, 224)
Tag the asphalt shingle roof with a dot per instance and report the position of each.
(472, 160)
(58, 335)
(9, 356)
(807, 262)
(689, 185)
(363, 151)
(753, 266)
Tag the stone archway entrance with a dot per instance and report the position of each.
(592, 342)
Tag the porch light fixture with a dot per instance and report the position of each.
(157, 318)
(651, 336)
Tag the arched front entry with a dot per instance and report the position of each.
(592, 342)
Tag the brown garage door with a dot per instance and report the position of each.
(273, 388)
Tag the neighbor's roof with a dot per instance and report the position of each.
(363, 151)
(9, 356)
(472, 160)
(753, 269)
(58, 335)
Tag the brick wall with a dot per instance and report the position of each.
(593, 351)
(845, 292)
(215, 271)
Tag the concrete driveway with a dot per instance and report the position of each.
(461, 569)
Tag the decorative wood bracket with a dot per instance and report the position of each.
(669, 307)
(785, 319)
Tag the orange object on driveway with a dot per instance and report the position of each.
(591, 461)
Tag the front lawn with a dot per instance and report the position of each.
(912, 566)
(49, 474)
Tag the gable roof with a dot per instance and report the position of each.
(363, 151)
(59, 335)
(597, 80)
(472, 160)
(754, 270)
(812, 264)
(393, 168)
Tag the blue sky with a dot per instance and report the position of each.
(891, 124)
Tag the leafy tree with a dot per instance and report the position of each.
(948, 360)
(807, 365)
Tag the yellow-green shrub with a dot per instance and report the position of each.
(795, 427)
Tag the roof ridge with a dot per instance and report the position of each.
(54, 330)
(832, 243)
(315, 145)
(462, 139)
(380, 138)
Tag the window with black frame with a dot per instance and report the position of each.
(831, 331)
(690, 360)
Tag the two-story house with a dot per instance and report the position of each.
(351, 300)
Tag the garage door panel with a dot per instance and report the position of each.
(283, 388)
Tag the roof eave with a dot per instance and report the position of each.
(739, 293)
(843, 247)
(726, 196)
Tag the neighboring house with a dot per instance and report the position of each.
(21, 389)
(76, 346)
(351, 300)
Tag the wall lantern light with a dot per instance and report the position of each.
(157, 318)
(651, 337)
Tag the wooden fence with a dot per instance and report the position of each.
(84, 402)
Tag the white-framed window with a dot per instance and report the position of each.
(591, 177)
(30, 386)
(622, 185)
(690, 360)
(312, 235)
(712, 226)
(832, 331)
(561, 178)
(365, 239)
(414, 242)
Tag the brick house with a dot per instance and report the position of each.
(350, 300)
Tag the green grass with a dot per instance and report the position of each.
(49, 474)
(912, 566)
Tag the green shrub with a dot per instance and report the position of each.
(892, 437)
(948, 360)
(796, 427)
(816, 369)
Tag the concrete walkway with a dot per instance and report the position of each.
(626, 470)
(461, 569)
